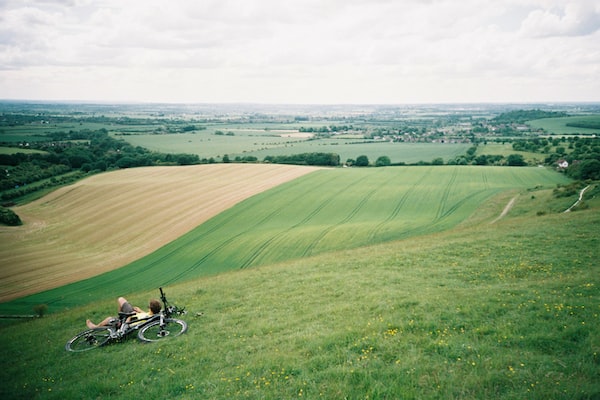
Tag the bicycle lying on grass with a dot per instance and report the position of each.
(155, 328)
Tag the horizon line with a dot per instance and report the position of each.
(131, 102)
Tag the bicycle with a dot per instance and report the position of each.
(155, 328)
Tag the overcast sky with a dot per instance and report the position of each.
(301, 51)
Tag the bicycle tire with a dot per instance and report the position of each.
(153, 332)
(88, 340)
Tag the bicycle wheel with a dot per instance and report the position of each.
(153, 332)
(88, 340)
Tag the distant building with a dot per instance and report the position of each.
(562, 164)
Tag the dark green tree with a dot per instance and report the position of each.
(383, 161)
(516, 160)
(362, 161)
(586, 169)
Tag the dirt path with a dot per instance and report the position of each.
(506, 209)
(512, 202)
(578, 200)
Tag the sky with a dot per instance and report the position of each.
(301, 51)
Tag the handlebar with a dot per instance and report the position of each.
(170, 309)
(163, 297)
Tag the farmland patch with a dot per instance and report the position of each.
(109, 220)
(584, 125)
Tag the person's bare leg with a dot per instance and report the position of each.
(121, 301)
(104, 322)
(91, 325)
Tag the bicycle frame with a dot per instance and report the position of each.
(152, 328)
(123, 327)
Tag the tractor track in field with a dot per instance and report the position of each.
(214, 250)
(223, 244)
(264, 245)
(308, 250)
(261, 248)
(445, 196)
(247, 231)
(398, 207)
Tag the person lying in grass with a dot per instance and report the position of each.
(125, 307)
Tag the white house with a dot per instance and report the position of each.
(563, 164)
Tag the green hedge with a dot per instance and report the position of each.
(8, 217)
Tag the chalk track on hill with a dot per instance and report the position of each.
(109, 220)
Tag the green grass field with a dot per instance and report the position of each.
(262, 143)
(37, 131)
(506, 150)
(408, 153)
(206, 144)
(13, 150)
(508, 310)
(558, 126)
(328, 210)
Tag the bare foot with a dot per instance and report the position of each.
(90, 324)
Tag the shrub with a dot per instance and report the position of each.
(362, 161)
(383, 161)
(516, 160)
(8, 217)
(40, 309)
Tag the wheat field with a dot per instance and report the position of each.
(111, 219)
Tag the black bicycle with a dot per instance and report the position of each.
(155, 328)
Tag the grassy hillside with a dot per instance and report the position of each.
(324, 211)
(508, 310)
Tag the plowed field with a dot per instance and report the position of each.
(109, 220)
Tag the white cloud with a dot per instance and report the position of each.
(574, 19)
(300, 50)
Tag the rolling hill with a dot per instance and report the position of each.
(507, 310)
(325, 211)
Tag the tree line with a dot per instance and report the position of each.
(321, 159)
(581, 153)
(521, 116)
(68, 156)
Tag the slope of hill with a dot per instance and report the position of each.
(484, 311)
(325, 211)
(109, 220)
